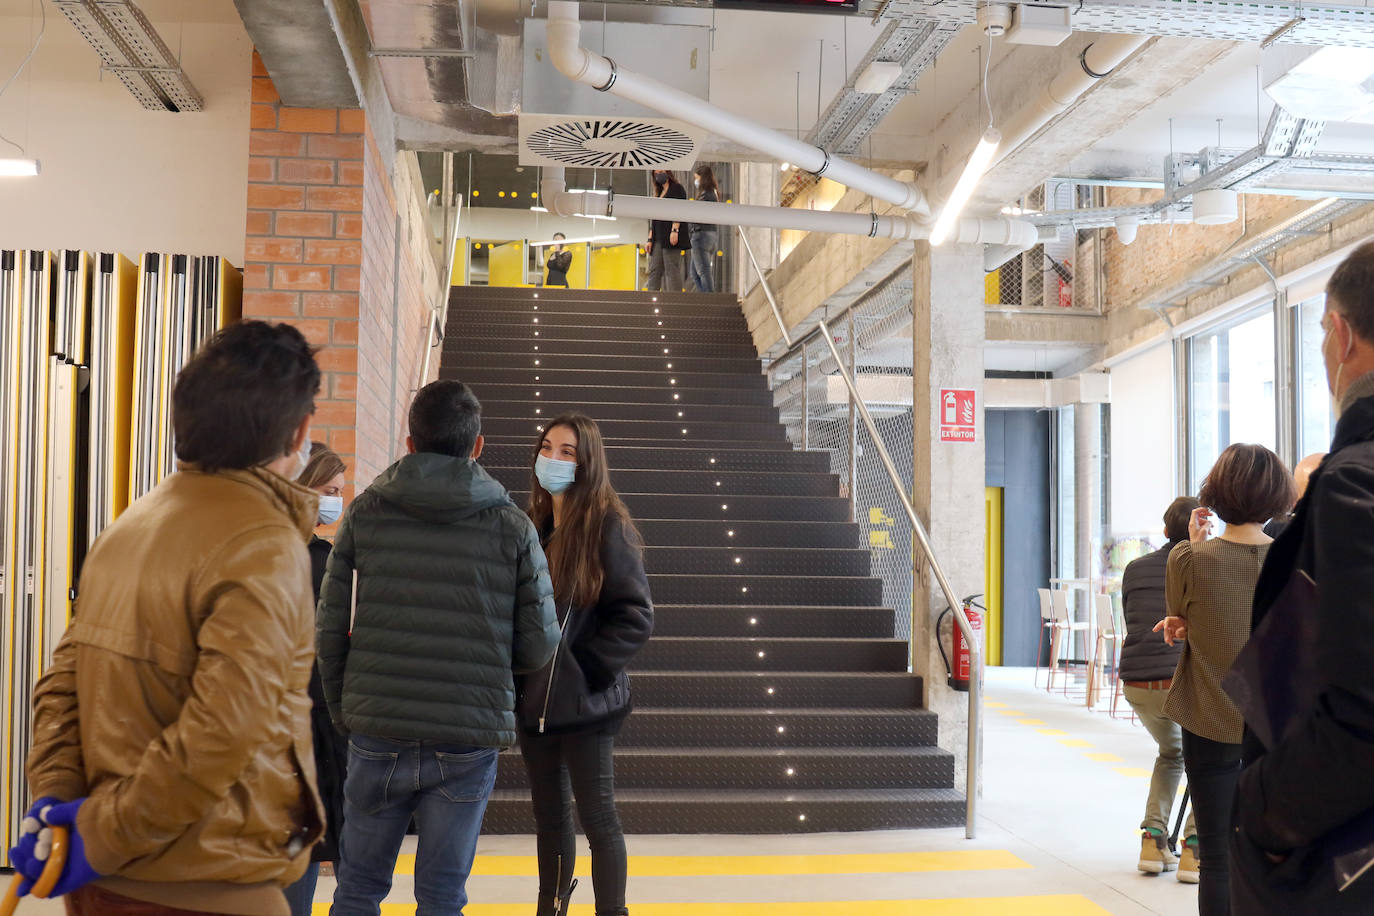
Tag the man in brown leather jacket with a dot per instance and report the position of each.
(172, 730)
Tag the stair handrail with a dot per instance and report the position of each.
(975, 690)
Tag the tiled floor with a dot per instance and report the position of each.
(1058, 834)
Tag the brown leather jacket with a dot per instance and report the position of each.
(177, 698)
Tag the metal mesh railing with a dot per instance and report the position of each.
(814, 404)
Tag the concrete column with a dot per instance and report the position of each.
(948, 331)
(1087, 470)
(758, 186)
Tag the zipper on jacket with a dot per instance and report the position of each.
(548, 688)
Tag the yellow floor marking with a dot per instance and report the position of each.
(1030, 721)
(1047, 905)
(1015, 713)
(1133, 772)
(689, 866)
(1051, 732)
(993, 704)
(1104, 758)
(1075, 742)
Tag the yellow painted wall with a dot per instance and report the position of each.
(992, 287)
(992, 587)
(615, 267)
(506, 264)
(577, 271)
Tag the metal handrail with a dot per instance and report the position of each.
(975, 691)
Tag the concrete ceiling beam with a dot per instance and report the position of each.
(296, 41)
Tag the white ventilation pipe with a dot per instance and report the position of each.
(601, 73)
(969, 230)
(1097, 61)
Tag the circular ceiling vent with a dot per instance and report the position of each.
(610, 143)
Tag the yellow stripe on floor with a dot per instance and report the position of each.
(711, 866)
(1133, 772)
(993, 704)
(1051, 732)
(1030, 721)
(1015, 713)
(1104, 758)
(1047, 905)
(1075, 742)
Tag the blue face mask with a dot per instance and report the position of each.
(554, 475)
(331, 507)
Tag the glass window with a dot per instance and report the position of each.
(1315, 421)
(1231, 376)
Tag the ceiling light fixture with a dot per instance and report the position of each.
(784, 167)
(977, 164)
(878, 77)
(18, 168)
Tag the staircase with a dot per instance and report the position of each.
(772, 697)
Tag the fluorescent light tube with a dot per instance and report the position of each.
(878, 77)
(977, 164)
(18, 168)
(585, 238)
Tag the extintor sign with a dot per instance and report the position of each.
(958, 419)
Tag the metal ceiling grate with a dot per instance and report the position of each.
(606, 143)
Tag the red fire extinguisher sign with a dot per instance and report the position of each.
(963, 663)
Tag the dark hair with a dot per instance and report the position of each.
(324, 466)
(1177, 516)
(1350, 291)
(708, 179)
(1248, 484)
(559, 235)
(671, 178)
(574, 550)
(238, 402)
(445, 418)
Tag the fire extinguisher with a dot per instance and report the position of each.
(962, 669)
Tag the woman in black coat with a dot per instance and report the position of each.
(571, 710)
(325, 475)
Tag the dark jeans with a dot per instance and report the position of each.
(703, 253)
(562, 767)
(445, 788)
(1213, 769)
(301, 895)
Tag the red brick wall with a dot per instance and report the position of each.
(321, 253)
(393, 315)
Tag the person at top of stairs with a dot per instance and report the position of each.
(571, 710)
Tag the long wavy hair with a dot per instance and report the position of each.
(574, 548)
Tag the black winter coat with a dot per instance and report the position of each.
(331, 747)
(454, 601)
(1144, 654)
(1296, 793)
(590, 689)
(661, 229)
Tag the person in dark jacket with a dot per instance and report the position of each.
(703, 235)
(668, 239)
(571, 710)
(324, 474)
(558, 262)
(1308, 799)
(1146, 670)
(436, 596)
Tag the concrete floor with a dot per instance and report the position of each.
(1057, 834)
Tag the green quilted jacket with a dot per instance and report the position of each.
(452, 601)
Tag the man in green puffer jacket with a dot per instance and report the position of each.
(436, 595)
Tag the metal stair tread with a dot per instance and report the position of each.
(805, 640)
(849, 711)
(689, 672)
(728, 796)
(915, 750)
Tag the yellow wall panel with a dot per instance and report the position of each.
(615, 267)
(506, 264)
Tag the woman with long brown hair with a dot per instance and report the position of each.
(703, 235)
(571, 710)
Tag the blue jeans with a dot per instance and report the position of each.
(301, 895)
(703, 253)
(444, 787)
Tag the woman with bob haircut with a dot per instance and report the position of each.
(1209, 589)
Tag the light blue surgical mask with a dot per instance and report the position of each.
(331, 507)
(554, 475)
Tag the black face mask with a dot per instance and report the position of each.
(660, 180)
